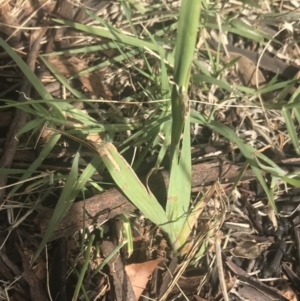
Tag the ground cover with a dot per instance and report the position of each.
(149, 150)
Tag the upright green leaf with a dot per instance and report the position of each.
(184, 53)
(179, 191)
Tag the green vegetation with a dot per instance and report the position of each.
(172, 65)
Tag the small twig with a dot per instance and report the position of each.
(37, 291)
(11, 265)
(220, 265)
(21, 117)
(169, 276)
(113, 202)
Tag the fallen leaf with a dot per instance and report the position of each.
(265, 61)
(188, 284)
(94, 137)
(37, 291)
(288, 292)
(139, 274)
(93, 83)
(249, 249)
(9, 22)
(71, 66)
(247, 70)
(67, 66)
(246, 62)
(40, 265)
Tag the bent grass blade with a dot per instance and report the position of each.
(130, 185)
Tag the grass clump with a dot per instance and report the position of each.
(169, 64)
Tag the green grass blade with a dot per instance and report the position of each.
(109, 257)
(31, 125)
(293, 106)
(180, 177)
(65, 201)
(127, 233)
(248, 151)
(131, 186)
(166, 130)
(199, 78)
(104, 32)
(179, 192)
(84, 268)
(35, 82)
(33, 167)
(291, 129)
(84, 49)
(184, 54)
(113, 60)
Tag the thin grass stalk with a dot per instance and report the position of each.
(84, 268)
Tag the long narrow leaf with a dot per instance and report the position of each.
(104, 32)
(38, 161)
(184, 54)
(179, 192)
(247, 150)
(36, 83)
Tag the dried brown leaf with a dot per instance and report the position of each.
(8, 20)
(28, 7)
(93, 83)
(40, 266)
(198, 298)
(249, 249)
(288, 292)
(139, 274)
(37, 291)
(247, 70)
(73, 65)
(66, 66)
(94, 137)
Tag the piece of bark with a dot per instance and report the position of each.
(37, 291)
(169, 276)
(122, 287)
(58, 271)
(248, 292)
(259, 286)
(112, 202)
(273, 267)
(6, 118)
(97, 209)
